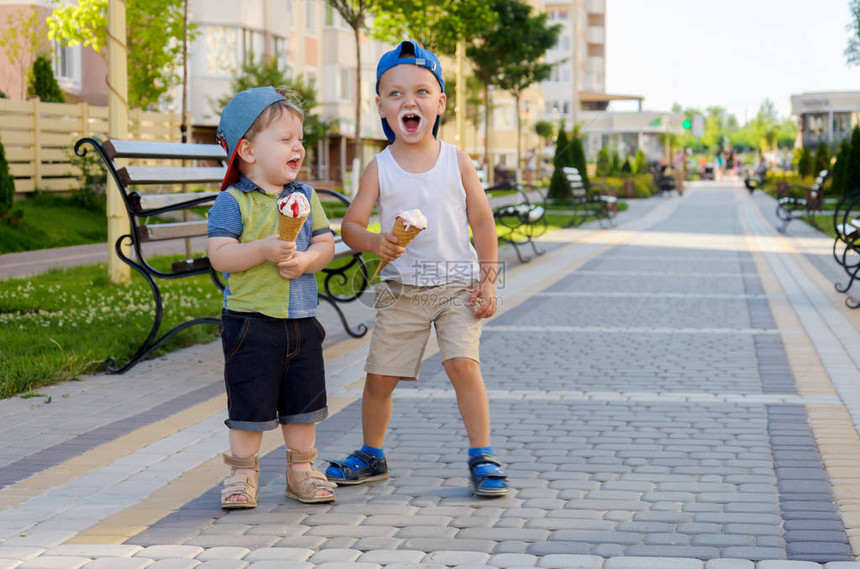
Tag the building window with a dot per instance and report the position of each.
(565, 108)
(281, 48)
(311, 15)
(222, 57)
(252, 44)
(64, 61)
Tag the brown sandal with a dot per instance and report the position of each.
(238, 485)
(303, 486)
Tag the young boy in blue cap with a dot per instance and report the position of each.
(273, 361)
(439, 279)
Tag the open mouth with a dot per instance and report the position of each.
(410, 122)
(294, 163)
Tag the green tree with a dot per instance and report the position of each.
(528, 37)
(43, 84)
(558, 188)
(805, 163)
(438, 25)
(851, 181)
(154, 28)
(822, 158)
(577, 155)
(837, 176)
(24, 39)
(545, 130)
(7, 184)
(640, 163)
(852, 51)
(603, 162)
(263, 71)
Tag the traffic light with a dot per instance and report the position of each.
(686, 124)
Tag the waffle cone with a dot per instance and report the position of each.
(289, 227)
(405, 235)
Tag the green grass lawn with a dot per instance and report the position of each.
(49, 221)
(63, 324)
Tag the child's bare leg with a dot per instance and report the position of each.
(244, 444)
(465, 376)
(484, 469)
(376, 404)
(368, 463)
(301, 438)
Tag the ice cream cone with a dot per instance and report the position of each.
(405, 235)
(289, 227)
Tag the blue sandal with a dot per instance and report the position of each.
(373, 469)
(487, 476)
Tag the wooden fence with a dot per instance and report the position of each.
(39, 139)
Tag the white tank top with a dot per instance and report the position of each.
(442, 253)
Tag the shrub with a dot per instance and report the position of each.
(851, 181)
(837, 177)
(558, 189)
(603, 163)
(822, 158)
(42, 83)
(640, 162)
(7, 183)
(805, 163)
(577, 156)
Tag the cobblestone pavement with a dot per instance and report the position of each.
(676, 392)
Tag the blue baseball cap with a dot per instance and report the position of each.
(409, 53)
(236, 118)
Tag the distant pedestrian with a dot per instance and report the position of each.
(719, 166)
(440, 280)
(273, 368)
(531, 165)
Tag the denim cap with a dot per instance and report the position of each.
(236, 118)
(409, 53)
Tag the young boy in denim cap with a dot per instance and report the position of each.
(273, 368)
(439, 279)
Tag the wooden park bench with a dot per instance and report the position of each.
(170, 182)
(790, 206)
(520, 215)
(846, 245)
(596, 200)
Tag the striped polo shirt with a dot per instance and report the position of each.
(246, 213)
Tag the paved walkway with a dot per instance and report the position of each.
(677, 392)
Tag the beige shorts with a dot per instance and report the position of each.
(404, 314)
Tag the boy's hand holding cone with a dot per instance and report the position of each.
(294, 209)
(407, 225)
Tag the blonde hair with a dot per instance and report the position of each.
(292, 104)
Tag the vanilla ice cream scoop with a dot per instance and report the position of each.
(407, 225)
(294, 205)
(412, 218)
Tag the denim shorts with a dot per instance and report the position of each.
(273, 370)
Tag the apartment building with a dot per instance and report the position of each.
(576, 91)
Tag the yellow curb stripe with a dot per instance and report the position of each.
(133, 520)
(108, 452)
(831, 425)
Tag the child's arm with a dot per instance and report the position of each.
(483, 227)
(354, 226)
(314, 259)
(227, 255)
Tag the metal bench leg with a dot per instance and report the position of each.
(151, 343)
